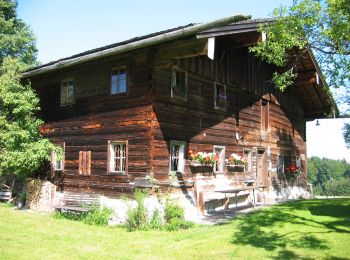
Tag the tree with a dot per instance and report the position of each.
(320, 26)
(22, 148)
(16, 38)
(329, 177)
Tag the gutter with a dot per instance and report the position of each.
(137, 44)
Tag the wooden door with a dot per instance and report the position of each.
(261, 168)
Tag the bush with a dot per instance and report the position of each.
(137, 217)
(97, 216)
(177, 223)
(173, 211)
(156, 221)
(340, 187)
(174, 217)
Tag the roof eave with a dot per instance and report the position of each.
(137, 44)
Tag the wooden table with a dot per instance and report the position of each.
(237, 190)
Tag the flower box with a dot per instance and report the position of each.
(235, 168)
(201, 169)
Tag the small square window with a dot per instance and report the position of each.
(178, 83)
(220, 98)
(119, 81)
(177, 156)
(67, 92)
(117, 157)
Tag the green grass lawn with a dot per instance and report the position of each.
(312, 229)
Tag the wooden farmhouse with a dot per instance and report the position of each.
(189, 108)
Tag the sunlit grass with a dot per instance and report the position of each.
(314, 229)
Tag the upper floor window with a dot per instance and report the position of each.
(220, 98)
(118, 155)
(119, 81)
(265, 117)
(178, 83)
(177, 156)
(67, 92)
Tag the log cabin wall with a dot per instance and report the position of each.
(196, 122)
(97, 117)
(148, 118)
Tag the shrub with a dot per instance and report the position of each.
(156, 221)
(97, 216)
(174, 217)
(68, 215)
(137, 217)
(339, 187)
(177, 223)
(173, 211)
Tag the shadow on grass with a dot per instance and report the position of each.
(290, 225)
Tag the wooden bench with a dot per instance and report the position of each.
(77, 203)
(5, 193)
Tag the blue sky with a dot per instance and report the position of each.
(67, 27)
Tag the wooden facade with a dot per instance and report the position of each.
(148, 118)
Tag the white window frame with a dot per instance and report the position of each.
(298, 162)
(216, 83)
(67, 102)
(221, 158)
(248, 155)
(181, 156)
(55, 162)
(118, 69)
(280, 163)
(111, 157)
(175, 70)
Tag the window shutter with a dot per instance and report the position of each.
(84, 162)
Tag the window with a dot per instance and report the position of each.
(117, 157)
(67, 92)
(119, 81)
(56, 162)
(178, 83)
(219, 166)
(220, 99)
(280, 164)
(298, 162)
(248, 155)
(177, 158)
(85, 162)
(265, 107)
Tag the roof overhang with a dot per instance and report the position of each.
(126, 46)
(311, 86)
